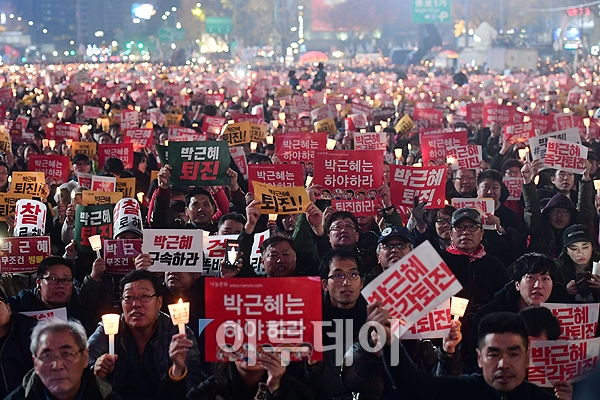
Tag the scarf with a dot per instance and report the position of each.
(477, 254)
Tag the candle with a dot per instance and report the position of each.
(597, 184)
(398, 153)
(232, 256)
(253, 146)
(180, 314)
(59, 114)
(273, 217)
(73, 196)
(282, 116)
(458, 306)
(451, 160)
(96, 243)
(331, 144)
(167, 142)
(69, 142)
(309, 180)
(270, 139)
(111, 328)
(45, 142)
(52, 143)
(50, 125)
(377, 128)
(275, 124)
(409, 147)
(522, 153)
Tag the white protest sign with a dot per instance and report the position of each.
(177, 250)
(514, 186)
(577, 321)
(565, 156)
(58, 313)
(538, 144)
(104, 183)
(485, 206)
(436, 324)
(30, 218)
(421, 271)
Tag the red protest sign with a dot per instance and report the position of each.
(466, 157)
(299, 125)
(474, 112)
(140, 137)
(272, 314)
(435, 145)
(119, 254)
(360, 208)
(65, 131)
(541, 123)
(55, 167)
(577, 321)
(275, 174)
(239, 158)
(428, 118)
(427, 183)
(563, 121)
(348, 174)
(181, 134)
(23, 254)
(123, 151)
(254, 119)
(6, 95)
(565, 156)
(515, 133)
(514, 186)
(493, 113)
(370, 141)
(90, 112)
(298, 147)
(212, 124)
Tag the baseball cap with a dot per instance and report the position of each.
(469, 213)
(576, 233)
(394, 231)
(80, 157)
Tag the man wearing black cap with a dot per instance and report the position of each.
(393, 244)
(80, 164)
(481, 275)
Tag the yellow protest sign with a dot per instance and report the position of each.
(8, 201)
(258, 132)
(236, 134)
(87, 148)
(326, 125)
(154, 174)
(172, 119)
(405, 125)
(5, 146)
(28, 183)
(92, 197)
(281, 200)
(282, 92)
(126, 186)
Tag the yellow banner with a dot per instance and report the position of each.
(326, 125)
(8, 201)
(127, 187)
(5, 146)
(280, 199)
(405, 125)
(258, 132)
(236, 134)
(172, 119)
(92, 198)
(28, 183)
(87, 148)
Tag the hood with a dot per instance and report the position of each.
(28, 381)
(562, 201)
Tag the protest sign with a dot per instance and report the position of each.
(474, 112)
(252, 316)
(92, 220)
(563, 121)
(199, 163)
(360, 208)
(84, 180)
(236, 134)
(212, 125)
(552, 361)
(55, 167)
(327, 125)
(434, 146)
(8, 202)
(30, 218)
(281, 200)
(90, 112)
(577, 321)
(427, 183)
(493, 113)
(297, 147)
(324, 112)
(141, 138)
(126, 186)
(519, 133)
(542, 124)
(65, 131)
(435, 325)
(275, 174)
(129, 120)
(348, 174)
(172, 119)
(370, 141)
(298, 125)
(255, 255)
(539, 143)
(404, 125)
(514, 186)
(119, 254)
(87, 148)
(428, 118)
(58, 313)
(28, 183)
(127, 217)
(181, 134)
(239, 158)
(5, 143)
(177, 250)
(104, 183)
(92, 197)
(23, 254)
(413, 286)
(466, 157)
(485, 206)
(122, 151)
(565, 156)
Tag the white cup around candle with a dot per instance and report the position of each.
(273, 217)
(180, 314)
(111, 328)
(596, 268)
(331, 144)
(458, 306)
(597, 184)
(309, 179)
(95, 242)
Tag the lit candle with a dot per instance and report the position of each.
(458, 306)
(270, 139)
(111, 328)
(167, 142)
(451, 160)
(282, 116)
(59, 114)
(50, 125)
(253, 146)
(309, 180)
(52, 143)
(140, 197)
(275, 124)
(96, 243)
(331, 144)
(273, 217)
(45, 142)
(597, 184)
(73, 196)
(377, 128)
(522, 153)
(69, 142)
(232, 256)
(180, 314)
(409, 147)
(398, 153)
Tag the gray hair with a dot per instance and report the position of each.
(53, 325)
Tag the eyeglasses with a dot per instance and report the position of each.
(462, 228)
(560, 211)
(339, 277)
(398, 246)
(142, 298)
(465, 178)
(563, 175)
(337, 228)
(66, 356)
(442, 221)
(55, 281)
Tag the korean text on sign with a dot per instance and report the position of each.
(413, 286)
(275, 174)
(485, 206)
(177, 250)
(434, 146)
(119, 254)
(514, 186)
(23, 254)
(199, 163)
(577, 321)
(360, 208)
(281, 200)
(539, 143)
(92, 220)
(436, 324)
(300, 147)
(427, 183)
(565, 156)
(274, 314)
(467, 157)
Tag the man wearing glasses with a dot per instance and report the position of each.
(393, 244)
(480, 274)
(60, 365)
(54, 289)
(148, 345)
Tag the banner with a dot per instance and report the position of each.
(127, 187)
(577, 321)
(87, 148)
(104, 183)
(565, 156)
(275, 174)
(296, 147)
(360, 208)
(539, 144)
(514, 186)
(281, 200)
(8, 202)
(64, 131)
(141, 138)
(412, 287)
(427, 183)
(485, 206)
(129, 120)
(493, 113)
(181, 134)
(122, 151)
(90, 221)
(30, 184)
(370, 141)
(552, 361)
(262, 315)
(214, 252)
(435, 325)
(176, 250)
(199, 163)
(466, 157)
(30, 218)
(434, 146)
(119, 254)
(23, 254)
(211, 124)
(519, 133)
(348, 174)
(92, 198)
(57, 168)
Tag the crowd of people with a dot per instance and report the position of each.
(543, 247)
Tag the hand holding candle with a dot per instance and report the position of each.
(96, 243)
(180, 314)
